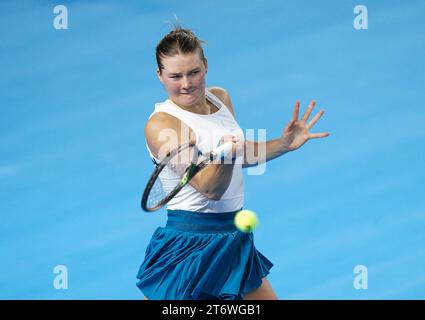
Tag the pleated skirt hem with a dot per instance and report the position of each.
(192, 265)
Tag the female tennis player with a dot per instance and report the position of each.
(200, 254)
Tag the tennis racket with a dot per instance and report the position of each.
(183, 163)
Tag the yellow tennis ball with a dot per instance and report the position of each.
(246, 220)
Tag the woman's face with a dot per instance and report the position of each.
(183, 76)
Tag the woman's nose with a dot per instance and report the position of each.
(186, 82)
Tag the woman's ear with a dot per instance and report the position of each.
(159, 74)
(206, 65)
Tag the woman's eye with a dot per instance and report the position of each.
(178, 77)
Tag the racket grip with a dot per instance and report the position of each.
(223, 150)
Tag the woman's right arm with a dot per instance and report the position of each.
(164, 133)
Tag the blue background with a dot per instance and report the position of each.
(73, 161)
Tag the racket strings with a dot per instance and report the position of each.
(171, 175)
(157, 194)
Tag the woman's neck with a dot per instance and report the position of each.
(203, 108)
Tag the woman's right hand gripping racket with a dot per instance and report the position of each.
(184, 162)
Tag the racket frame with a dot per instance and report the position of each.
(190, 171)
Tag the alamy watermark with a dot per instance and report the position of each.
(360, 277)
(361, 21)
(60, 281)
(60, 21)
(248, 152)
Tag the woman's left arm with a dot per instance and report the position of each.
(294, 135)
(256, 153)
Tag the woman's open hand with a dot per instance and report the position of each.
(296, 132)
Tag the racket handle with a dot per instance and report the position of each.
(222, 150)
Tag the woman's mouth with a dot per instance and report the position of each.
(189, 92)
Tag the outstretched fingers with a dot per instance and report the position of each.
(296, 111)
(312, 123)
(318, 135)
(305, 118)
(315, 119)
(308, 111)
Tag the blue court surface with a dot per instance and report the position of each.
(341, 218)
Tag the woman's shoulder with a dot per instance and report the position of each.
(164, 121)
(219, 92)
(161, 120)
(224, 97)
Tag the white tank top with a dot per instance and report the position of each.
(208, 130)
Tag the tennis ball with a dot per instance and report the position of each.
(246, 220)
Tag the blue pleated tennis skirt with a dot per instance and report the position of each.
(201, 256)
